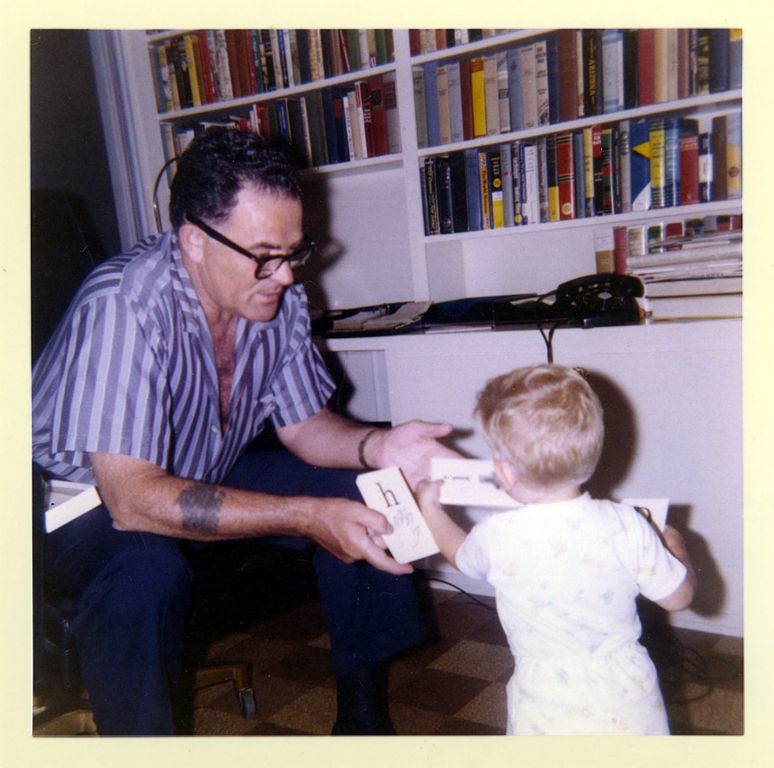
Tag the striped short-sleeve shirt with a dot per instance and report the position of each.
(131, 370)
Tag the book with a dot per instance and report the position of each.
(442, 95)
(588, 171)
(592, 72)
(721, 306)
(420, 110)
(719, 59)
(568, 75)
(541, 144)
(579, 168)
(472, 190)
(496, 192)
(624, 166)
(506, 171)
(381, 140)
(689, 161)
(604, 250)
(513, 61)
(612, 70)
(458, 191)
(657, 163)
(466, 97)
(735, 43)
(665, 64)
(392, 117)
(455, 102)
(700, 286)
(646, 81)
(386, 491)
(734, 155)
(432, 109)
(531, 186)
(503, 93)
(631, 69)
(484, 189)
(430, 186)
(719, 158)
(491, 96)
(703, 61)
(565, 166)
(528, 86)
(478, 97)
(598, 169)
(671, 162)
(552, 178)
(706, 166)
(444, 194)
(543, 99)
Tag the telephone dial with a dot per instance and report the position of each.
(603, 299)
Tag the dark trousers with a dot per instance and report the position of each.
(134, 589)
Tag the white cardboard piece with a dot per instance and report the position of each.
(66, 501)
(469, 483)
(386, 491)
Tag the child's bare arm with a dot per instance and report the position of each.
(682, 597)
(448, 535)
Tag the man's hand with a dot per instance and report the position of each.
(351, 532)
(409, 446)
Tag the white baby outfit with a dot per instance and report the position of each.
(566, 576)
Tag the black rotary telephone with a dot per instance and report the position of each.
(602, 299)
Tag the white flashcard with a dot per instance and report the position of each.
(386, 491)
(68, 500)
(469, 483)
(658, 508)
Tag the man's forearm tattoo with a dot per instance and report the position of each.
(201, 508)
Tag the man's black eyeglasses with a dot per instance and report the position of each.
(267, 265)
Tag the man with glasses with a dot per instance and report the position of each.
(164, 370)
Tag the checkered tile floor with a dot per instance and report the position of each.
(454, 685)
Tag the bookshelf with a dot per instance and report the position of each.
(369, 215)
(370, 208)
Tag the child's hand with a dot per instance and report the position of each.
(427, 494)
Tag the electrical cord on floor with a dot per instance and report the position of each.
(675, 661)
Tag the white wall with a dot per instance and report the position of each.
(673, 399)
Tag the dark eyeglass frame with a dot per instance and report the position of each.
(296, 258)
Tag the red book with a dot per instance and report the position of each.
(467, 100)
(689, 162)
(203, 60)
(232, 48)
(440, 39)
(565, 166)
(568, 74)
(249, 79)
(378, 116)
(415, 42)
(364, 103)
(646, 47)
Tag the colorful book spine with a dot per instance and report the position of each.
(513, 60)
(657, 163)
(472, 190)
(612, 70)
(528, 86)
(552, 177)
(484, 189)
(431, 104)
(624, 165)
(491, 96)
(706, 166)
(734, 156)
(478, 97)
(689, 161)
(568, 75)
(506, 170)
(496, 192)
(640, 150)
(565, 164)
(592, 72)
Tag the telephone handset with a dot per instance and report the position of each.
(603, 299)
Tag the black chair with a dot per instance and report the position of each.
(62, 253)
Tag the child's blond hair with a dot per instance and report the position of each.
(546, 421)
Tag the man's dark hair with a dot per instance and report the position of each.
(218, 163)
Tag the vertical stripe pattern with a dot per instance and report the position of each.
(131, 370)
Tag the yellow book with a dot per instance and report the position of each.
(193, 69)
(478, 97)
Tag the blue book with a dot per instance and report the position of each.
(580, 186)
(514, 89)
(473, 190)
(639, 148)
(329, 118)
(612, 70)
(552, 61)
(672, 164)
(431, 104)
